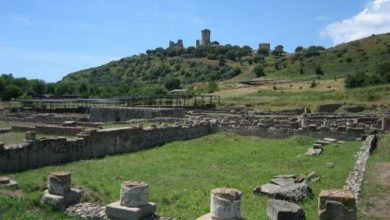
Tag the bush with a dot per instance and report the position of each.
(259, 71)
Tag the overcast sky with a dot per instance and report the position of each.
(48, 39)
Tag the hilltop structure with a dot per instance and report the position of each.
(178, 44)
(265, 46)
(205, 40)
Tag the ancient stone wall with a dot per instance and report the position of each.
(111, 114)
(36, 153)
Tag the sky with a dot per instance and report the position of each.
(48, 39)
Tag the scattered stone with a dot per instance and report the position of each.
(323, 142)
(331, 140)
(314, 151)
(268, 188)
(336, 204)
(329, 164)
(134, 194)
(225, 204)
(282, 181)
(69, 123)
(311, 176)
(317, 146)
(295, 193)
(328, 108)
(283, 210)
(300, 178)
(8, 183)
(87, 210)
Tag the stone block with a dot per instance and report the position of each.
(295, 193)
(115, 211)
(58, 183)
(71, 197)
(336, 204)
(8, 183)
(283, 210)
(225, 204)
(282, 181)
(331, 140)
(134, 194)
(267, 188)
(314, 151)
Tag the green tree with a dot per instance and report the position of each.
(172, 83)
(212, 87)
(259, 71)
(319, 70)
(383, 71)
(357, 80)
(278, 51)
(11, 92)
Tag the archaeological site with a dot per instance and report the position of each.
(195, 110)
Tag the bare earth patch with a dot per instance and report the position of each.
(376, 202)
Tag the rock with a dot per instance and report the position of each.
(267, 188)
(8, 183)
(300, 178)
(329, 164)
(282, 181)
(336, 204)
(312, 175)
(295, 193)
(331, 140)
(283, 210)
(71, 197)
(317, 146)
(323, 142)
(69, 123)
(314, 151)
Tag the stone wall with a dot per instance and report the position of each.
(112, 114)
(36, 153)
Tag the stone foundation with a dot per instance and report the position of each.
(336, 204)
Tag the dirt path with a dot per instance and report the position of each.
(375, 200)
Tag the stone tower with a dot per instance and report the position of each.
(205, 40)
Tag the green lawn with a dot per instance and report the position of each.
(181, 175)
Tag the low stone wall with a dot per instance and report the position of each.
(112, 114)
(58, 130)
(36, 153)
(355, 179)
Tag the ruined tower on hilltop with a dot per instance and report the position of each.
(179, 44)
(205, 40)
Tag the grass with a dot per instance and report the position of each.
(181, 175)
(285, 97)
(375, 201)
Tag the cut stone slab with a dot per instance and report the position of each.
(268, 189)
(287, 176)
(312, 175)
(283, 210)
(314, 151)
(294, 193)
(332, 140)
(282, 181)
(72, 197)
(317, 146)
(8, 183)
(115, 211)
(323, 143)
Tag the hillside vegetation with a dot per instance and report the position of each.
(207, 69)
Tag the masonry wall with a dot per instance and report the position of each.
(38, 153)
(111, 114)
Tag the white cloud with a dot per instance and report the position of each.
(374, 19)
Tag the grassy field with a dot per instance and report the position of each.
(181, 175)
(375, 198)
(299, 95)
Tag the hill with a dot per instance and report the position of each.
(160, 70)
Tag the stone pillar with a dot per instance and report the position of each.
(134, 194)
(30, 135)
(133, 204)
(336, 204)
(225, 205)
(386, 123)
(59, 193)
(58, 183)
